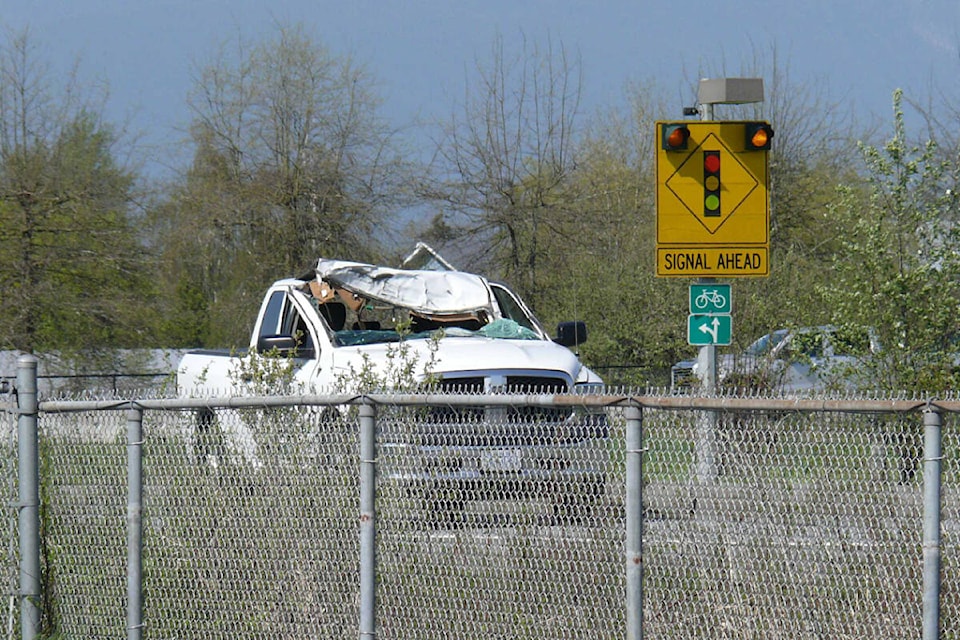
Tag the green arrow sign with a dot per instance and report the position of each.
(705, 329)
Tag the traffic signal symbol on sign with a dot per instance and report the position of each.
(711, 184)
(712, 187)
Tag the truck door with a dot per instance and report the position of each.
(282, 317)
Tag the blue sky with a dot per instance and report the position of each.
(420, 50)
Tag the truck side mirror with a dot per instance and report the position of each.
(571, 333)
(284, 345)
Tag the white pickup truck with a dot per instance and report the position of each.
(346, 323)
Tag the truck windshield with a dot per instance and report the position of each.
(501, 328)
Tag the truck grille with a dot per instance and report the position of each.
(501, 426)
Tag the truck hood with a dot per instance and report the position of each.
(456, 355)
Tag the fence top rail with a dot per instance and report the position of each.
(598, 400)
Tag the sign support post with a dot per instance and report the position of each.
(708, 354)
(713, 220)
(706, 445)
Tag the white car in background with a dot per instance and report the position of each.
(790, 360)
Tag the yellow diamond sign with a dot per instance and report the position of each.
(711, 195)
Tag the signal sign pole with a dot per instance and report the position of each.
(711, 174)
(727, 234)
(705, 445)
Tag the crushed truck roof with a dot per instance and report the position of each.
(435, 292)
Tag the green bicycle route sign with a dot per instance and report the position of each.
(710, 298)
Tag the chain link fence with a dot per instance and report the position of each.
(763, 518)
(8, 481)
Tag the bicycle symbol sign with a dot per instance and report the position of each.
(710, 299)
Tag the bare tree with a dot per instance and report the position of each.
(507, 157)
(291, 162)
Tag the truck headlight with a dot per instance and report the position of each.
(588, 388)
(592, 420)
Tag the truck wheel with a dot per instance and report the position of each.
(574, 501)
(208, 440)
(443, 508)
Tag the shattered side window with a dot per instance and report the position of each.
(511, 308)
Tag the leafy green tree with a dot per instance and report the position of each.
(814, 150)
(73, 274)
(897, 268)
(601, 268)
(291, 162)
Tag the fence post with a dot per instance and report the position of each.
(932, 456)
(634, 515)
(29, 478)
(134, 524)
(368, 531)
